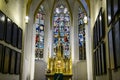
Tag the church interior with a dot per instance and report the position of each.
(59, 40)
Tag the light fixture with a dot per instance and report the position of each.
(8, 19)
(85, 19)
(3, 18)
(26, 19)
(100, 18)
(109, 17)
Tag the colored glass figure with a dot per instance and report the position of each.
(61, 23)
(81, 34)
(39, 43)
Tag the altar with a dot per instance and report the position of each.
(60, 66)
(59, 76)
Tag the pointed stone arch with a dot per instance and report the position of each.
(66, 3)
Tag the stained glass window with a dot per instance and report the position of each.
(81, 34)
(61, 24)
(39, 41)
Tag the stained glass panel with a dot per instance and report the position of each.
(61, 23)
(81, 34)
(39, 43)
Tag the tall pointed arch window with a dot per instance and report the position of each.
(81, 34)
(61, 24)
(39, 41)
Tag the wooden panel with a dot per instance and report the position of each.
(12, 61)
(116, 39)
(2, 26)
(17, 63)
(14, 35)
(1, 56)
(6, 60)
(19, 38)
(8, 37)
(111, 49)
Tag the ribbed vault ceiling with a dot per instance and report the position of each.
(84, 3)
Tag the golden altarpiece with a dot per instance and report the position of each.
(59, 64)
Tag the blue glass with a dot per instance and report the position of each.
(61, 22)
(39, 43)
